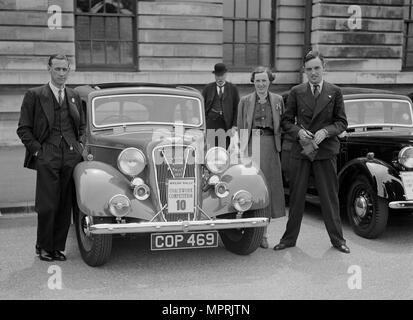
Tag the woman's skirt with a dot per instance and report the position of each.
(270, 165)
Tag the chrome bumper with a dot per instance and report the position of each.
(401, 204)
(177, 226)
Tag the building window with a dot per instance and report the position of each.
(104, 34)
(248, 33)
(408, 35)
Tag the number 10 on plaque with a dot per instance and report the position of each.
(181, 195)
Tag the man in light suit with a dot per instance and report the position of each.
(314, 111)
(52, 127)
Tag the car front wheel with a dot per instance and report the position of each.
(246, 240)
(367, 212)
(94, 248)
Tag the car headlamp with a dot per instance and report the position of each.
(406, 157)
(217, 160)
(242, 201)
(119, 205)
(131, 161)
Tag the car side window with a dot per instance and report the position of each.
(384, 111)
(352, 113)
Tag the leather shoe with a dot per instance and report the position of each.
(282, 246)
(58, 256)
(45, 255)
(37, 249)
(264, 243)
(342, 248)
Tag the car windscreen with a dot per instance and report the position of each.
(126, 109)
(378, 112)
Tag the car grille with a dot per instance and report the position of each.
(174, 162)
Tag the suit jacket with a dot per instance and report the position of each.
(230, 100)
(37, 118)
(327, 113)
(246, 113)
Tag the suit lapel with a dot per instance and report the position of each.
(323, 99)
(276, 109)
(307, 97)
(250, 112)
(46, 102)
(71, 102)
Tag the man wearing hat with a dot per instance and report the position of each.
(221, 101)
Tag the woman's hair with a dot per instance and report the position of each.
(261, 69)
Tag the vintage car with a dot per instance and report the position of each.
(375, 164)
(147, 169)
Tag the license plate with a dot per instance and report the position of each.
(181, 195)
(407, 179)
(184, 240)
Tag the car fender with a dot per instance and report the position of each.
(384, 179)
(238, 177)
(97, 182)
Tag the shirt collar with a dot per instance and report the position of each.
(266, 98)
(320, 86)
(55, 89)
(220, 86)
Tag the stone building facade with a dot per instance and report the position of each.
(365, 42)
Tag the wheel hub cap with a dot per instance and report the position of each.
(86, 225)
(360, 206)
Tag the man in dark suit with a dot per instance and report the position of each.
(221, 102)
(314, 117)
(52, 126)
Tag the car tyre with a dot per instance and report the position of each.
(246, 240)
(366, 212)
(95, 249)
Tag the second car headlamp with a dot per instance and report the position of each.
(406, 157)
(131, 161)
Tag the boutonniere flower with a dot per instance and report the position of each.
(329, 97)
(73, 100)
(277, 106)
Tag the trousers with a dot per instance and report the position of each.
(326, 182)
(54, 193)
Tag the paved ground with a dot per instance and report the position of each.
(312, 270)
(17, 184)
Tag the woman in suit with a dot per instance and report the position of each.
(259, 115)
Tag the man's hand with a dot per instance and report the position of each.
(304, 134)
(320, 135)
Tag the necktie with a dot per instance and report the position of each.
(220, 91)
(316, 91)
(59, 93)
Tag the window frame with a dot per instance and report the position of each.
(233, 43)
(408, 36)
(107, 67)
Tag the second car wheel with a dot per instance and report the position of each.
(367, 212)
(245, 240)
(94, 248)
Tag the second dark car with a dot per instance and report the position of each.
(375, 163)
